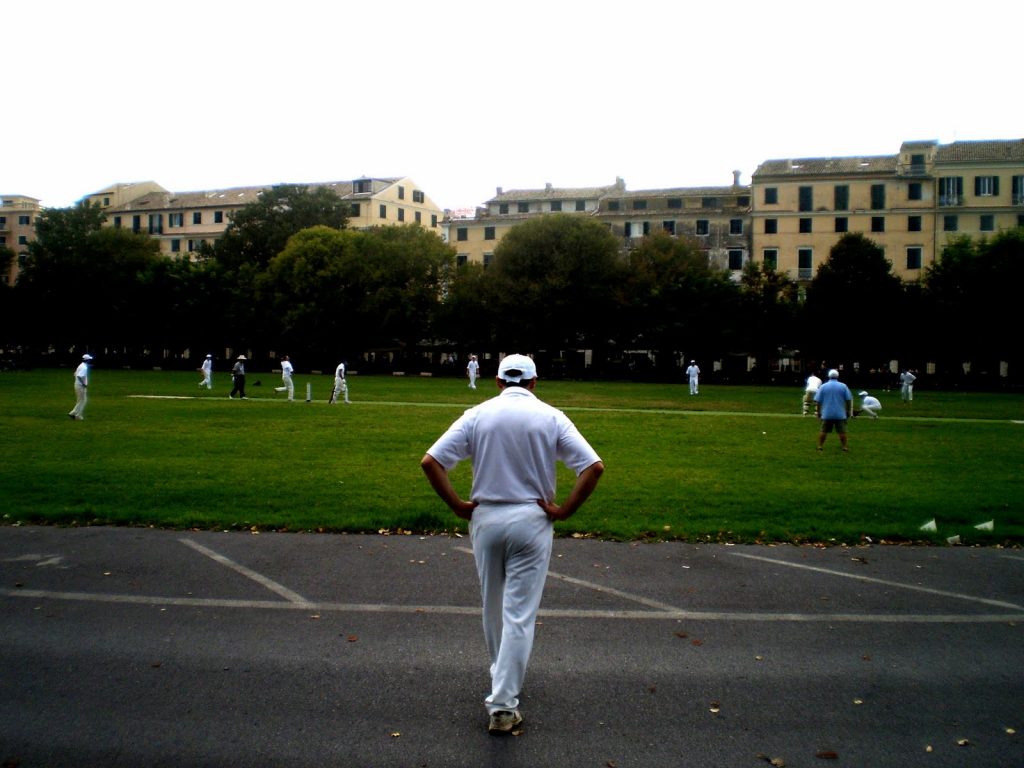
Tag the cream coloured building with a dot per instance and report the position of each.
(183, 221)
(17, 229)
(716, 217)
(910, 203)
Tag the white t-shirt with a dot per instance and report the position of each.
(870, 402)
(514, 440)
(473, 367)
(286, 368)
(339, 372)
(82, 374)
(692, 371)
(813, 382)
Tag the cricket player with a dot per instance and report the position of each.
(513, 440)
(81, 388)
(340, 385)
(207, 370)
(834, 403)
(286, 378)
(907, 380)
(472, 370)
(693, 372)
(868, 404)
(810, 389)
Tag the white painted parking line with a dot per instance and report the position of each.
(885, 582)
(273, 586)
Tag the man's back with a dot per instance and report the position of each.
(833, 396)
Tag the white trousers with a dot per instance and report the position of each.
(869, 410)
(339, 387)
(81, 398)
(472, 381)
(693, 386)
(512, 548)
(288, 387)
(207, 380)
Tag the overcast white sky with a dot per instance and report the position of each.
(464, 97)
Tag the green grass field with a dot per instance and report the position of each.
(732, 464)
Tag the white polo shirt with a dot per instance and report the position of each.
(286, 368)
(82, 374)
(514, 440)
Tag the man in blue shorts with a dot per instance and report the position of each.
(833, 406)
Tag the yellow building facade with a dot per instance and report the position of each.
(18, 215)
(910, 204)
(183, 221)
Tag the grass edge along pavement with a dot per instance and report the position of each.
(734, 464)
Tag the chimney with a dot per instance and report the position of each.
(735, 178)
(499, 192)
(547, 186)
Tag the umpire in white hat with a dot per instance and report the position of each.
(513, 440)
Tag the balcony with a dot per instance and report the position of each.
(949, 201)
(1018, 198)
(805, 273)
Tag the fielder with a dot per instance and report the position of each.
(286, 378)
(693, 372)
(907, 380)
(81, 388)
(869, 405)
(207, 370)
(472, 370)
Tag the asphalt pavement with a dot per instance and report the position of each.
(143, 647)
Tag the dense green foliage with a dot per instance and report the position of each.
(288, 277)
(734, 464)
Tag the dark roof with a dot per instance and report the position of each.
(552, 193)
(827, 166)
(981, 151)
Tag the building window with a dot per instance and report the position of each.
(988, 222)
(433, 220)
(401, 214)
(735, 259)
(842, 198)
(401, 192)
(842, 224)
(743, 202)
(175, 245)
(914, 190)
(950, 224)
(362, 187)
(627, 229)
(383, 212)
(639, 205)
(175, 219)
(354, 210)
(3, 221)
(878, 197)
(502, 208)
(418, 196)
(462, 234)
(488, 233)
(523, 207)
(878, 223)
(136, 223)
(3, 239)
(646, 228)
(669, 226)
(710, 202)
(613, 205)
(218, 217)
(461, 260)
(556, 206)
(986, 186)
(951, 190)
(917, 164)
(24, 220)
(806, 199)
(805, 225)
(735, 226)
(913, 223)
(914, 257)
(419, 217)
(805, 263)
(771, 226)
(1017, 182)
(703, 226)
(771, 195)
(488, 258)
(581, 205)
(676, 203)
(197, 217)
(771, 257)
(156, 223)
(117, 222)
(22, 239)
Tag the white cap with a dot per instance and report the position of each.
(87, 357)
(241, 357)
(516, 368)
(833, 373)
(862, 392)
(209, 357)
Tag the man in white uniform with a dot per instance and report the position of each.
(513, 440)
(907, 380)
(472, 370)
(693, 372)
(81, 388)
(810, 390)
(869, 405)
(207, 370)
(286, 378)
(340, 385)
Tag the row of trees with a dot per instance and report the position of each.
(289, 277)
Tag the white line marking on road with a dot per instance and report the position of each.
(885, 582)
(554, 613)
(273, 586)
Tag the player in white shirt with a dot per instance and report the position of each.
(81, 388)
(810, 390)
(340, 385)
(513, 440)
(472, 370)
(868, 404)
(286, 378)
(693, 372)
(207, 370)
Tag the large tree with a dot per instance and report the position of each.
(553, 285)
(768, 312)
(854, 305)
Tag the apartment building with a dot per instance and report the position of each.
(716, 217)
(909, 203)
(17, 228)
(183, 221)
